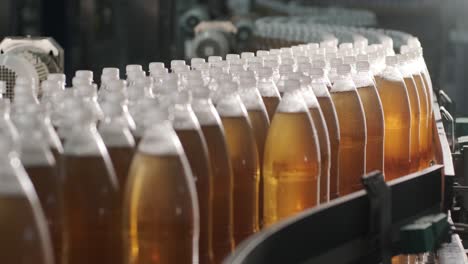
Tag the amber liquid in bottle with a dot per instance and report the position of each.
(158, 215)
(415, 123)
(260, 124)
(91, 211)
(324, 144)
(222, 206)
(47, 185)
(424, 125)
(375, 128)
(196, 150)
(18, 219)
(397, 114)
(242, 151)
(352, 126)
(291, 166)
(331, 118)
(271, 103)
(121, 158)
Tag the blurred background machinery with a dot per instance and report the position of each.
(99, 33)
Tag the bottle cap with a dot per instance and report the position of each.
(262, 53)
(313, 46)
(105, 79)
(391, 60)
(156, 67)
(285, 69)
(362, 57)
(264, 72)
(343, 69)
(232, 56)
(133, 75)
(346, 45)
(60, 77)
(362, 66)
(77, 81)
(177, 63)
(111, 71)
(314, 71)
(349, 60)
(85, 74)
(133, 67)
(304, 67)
(246, 55)
(319, 63)
(335, 62)
(287, 61)
(212, 59)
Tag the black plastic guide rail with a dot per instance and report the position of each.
(349, 229)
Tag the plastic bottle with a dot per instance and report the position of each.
(331, 119)
(259, 120)
(41, 167)
(322, 132)
(268, 90)
(191, 137)
(91, 207)
(117, 137)
(397, 114)
(242, 150)
(161, 215)
(353, 136)
(25, 237)
(223, 180)
(291, 164)
(415, 106)
(373, 111)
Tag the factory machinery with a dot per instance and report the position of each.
(424, 214)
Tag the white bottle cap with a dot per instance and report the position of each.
(111, 71)
(194, 62)
(84, 74)
(343, 69)
(77, 81)
(262, 53)
(362, 66)
(335, 62)
(346, 45)
(275, 52)
(304, 67)
(362, 57)
(391, 60)
(133, 67)
(285, 69)
(176, 63)
(264, 72)
(317, 71)
(349, 60)
(313, 46)
(57, 77)
(246, 55)
(320, 63)
(212, 59)
(230, 57)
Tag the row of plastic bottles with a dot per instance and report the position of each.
(181, 167)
